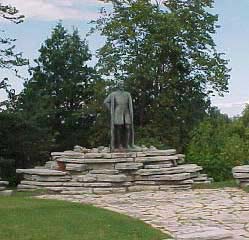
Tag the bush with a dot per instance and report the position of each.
(218, 144)
(8, 170)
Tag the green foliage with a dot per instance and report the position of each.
(167, 58)
(218, 144)
(63, 93)
(9, 58)
(8, 170)
(23, 144)
(26, 218)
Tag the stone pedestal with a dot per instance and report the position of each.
(105, 172)
(241, 174)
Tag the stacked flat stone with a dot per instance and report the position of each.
(3, 185)
(241, 174)
(79, 172)
(3, 188)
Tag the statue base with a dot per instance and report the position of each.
(101, 172)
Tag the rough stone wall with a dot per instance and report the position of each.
(73, 172)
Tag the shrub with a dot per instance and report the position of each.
(218, 144)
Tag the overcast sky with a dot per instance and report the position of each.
(232, 38)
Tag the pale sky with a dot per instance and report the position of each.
(42, 15)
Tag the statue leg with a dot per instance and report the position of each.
(128, 136)
(119, 136)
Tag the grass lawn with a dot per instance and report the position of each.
(23, 218)
(215, 185)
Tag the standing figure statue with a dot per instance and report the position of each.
(120, 106)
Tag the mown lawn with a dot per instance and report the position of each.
(216, 185)
(23, 218)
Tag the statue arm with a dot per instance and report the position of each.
(131, 107)
(107, 102)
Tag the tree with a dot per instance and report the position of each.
(9, 59)
(166, 56)
(62, 94)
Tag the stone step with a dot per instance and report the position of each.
(76, 167)
(94, 160)
(22, 187)
(128, 166)
(104, 171)
(157, 153)
(187, 168)
(241, 169)
(4, 183)
(158, 166)
(42, 184)
(171, 177)
(156, 159)
(42, 178)
(41, 172)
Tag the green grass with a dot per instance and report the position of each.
(216, 185)
(23, 218)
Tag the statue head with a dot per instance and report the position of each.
(120, 85)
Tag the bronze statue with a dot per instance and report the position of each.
(120, 106)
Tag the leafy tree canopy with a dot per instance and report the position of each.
(9, 58)
(63, 91)
(166, 55)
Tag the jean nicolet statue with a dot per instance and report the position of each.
(119, 103)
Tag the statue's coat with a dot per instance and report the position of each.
(121, 113)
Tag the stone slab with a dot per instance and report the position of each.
(98, 184)
(70, 189)
(41, 172)
(42, 178)
(87, 178)
(42, 184)
(76, 167)
(172, 177)
(111, 178)
(157, 153)
(241, 169)
(128, 166)
(156, 159)
(188, 168)
(158, 166)
(75, 192)
(94, 160)
(241, 175)
(141, 188)
(105, 171)
(124, 155)
(67, 154)
(4, 183)
(106, 166)
(6, 193)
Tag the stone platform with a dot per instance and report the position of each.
(76, 172)
(241, 174)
